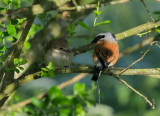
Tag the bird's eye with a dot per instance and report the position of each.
(61, 48)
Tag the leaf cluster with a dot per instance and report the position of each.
(56, 103)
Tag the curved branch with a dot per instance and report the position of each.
(85, 69)
(122, 35)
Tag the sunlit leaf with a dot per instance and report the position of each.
(79, 88)
(51, 66)
(158, 30)
(37, 102)
(2, 48)
(103, 23)
(11, 30)
(44, 69)
(24, 61)
(97, 12)
(51, 74)
(6, 1)
(44, 74)
(54, 92)
(82, 24)
(16, 61)
(10, 38)
(27, 45)
(64, 112)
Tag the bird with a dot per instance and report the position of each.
(105, 53)
(58, 51)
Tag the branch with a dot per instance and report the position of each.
(14, 52)
(61, 86)
(45, 7)
(152, 105)
(122, 35)
(144, 27)
(85, 69)
(145, 42)
(31, 10)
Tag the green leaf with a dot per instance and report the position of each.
(17, 70)
(37, 102)
(71, 28)
(27, 45)
(15, 2)
(11, 30)
(5, 34)
(54, 92)
(21, 68)
(51, 74)
(7, 69)
(80, 111)
(44, 74)
(64, 112)
(79, 88)
(24, 61)
(14, 21)
(157, 12)
(82, 24)
(10, 38)
(6, 1)
(2, 9)
(103, 23)
(158, 30)
(16, 61)
(1, 39)
(158, 17)
(44, 69)
(97, 12)
(51, 66)
(2, 48)
(16, 98)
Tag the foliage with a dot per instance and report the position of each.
(49, 70)
(56, 103)
(18, 64)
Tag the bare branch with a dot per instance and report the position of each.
(45, 7)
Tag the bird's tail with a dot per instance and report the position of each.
(96, 74)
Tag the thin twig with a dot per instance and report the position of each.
(134, 90)
(147, 10)
(139, 58)
(75, 3)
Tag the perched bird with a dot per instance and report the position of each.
(105, 54)
(58, 52)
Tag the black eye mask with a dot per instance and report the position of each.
(97, 38)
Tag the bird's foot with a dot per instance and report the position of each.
(65, 67)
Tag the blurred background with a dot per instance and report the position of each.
(116, 99)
